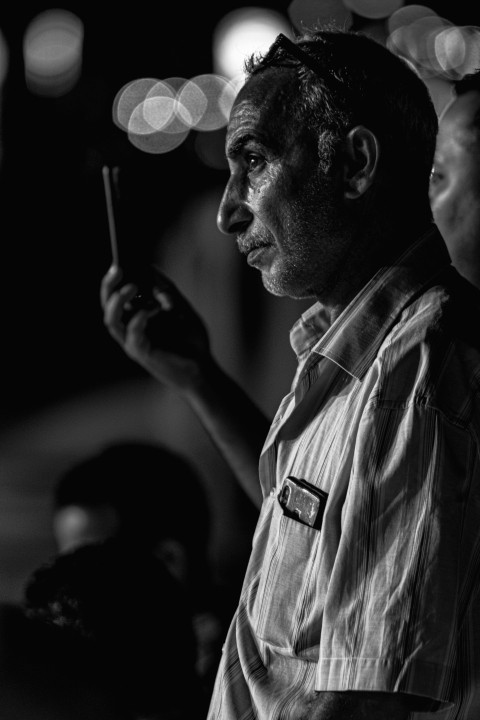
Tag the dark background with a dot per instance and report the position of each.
(65, 386)
(54, 246)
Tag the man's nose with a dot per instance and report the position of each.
(233, 214)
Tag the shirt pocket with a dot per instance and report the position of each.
(286, 608)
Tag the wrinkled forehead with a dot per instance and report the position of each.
(264, 102)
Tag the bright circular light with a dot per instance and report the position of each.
(212, 86)
(373, 9)
(179, 115)
(193, 103)
(422, 36)
(407, 15)
(137, 122)
(157, 143)
(158, 111)
(457, 50)
(242, 32)
(450, 48)
(154, 125)
(313, 13)
(128, 98)
(471, 63)
(416, 40)
(52, 51)
(229, 93)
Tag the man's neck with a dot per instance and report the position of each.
(374, 250)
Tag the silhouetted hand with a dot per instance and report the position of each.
(156, 326)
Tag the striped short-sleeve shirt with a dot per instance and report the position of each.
(382, 430)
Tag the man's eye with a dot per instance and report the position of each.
(253, 161)
(435, 176)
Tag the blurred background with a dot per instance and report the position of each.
(146, 88)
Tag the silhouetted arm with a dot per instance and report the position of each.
(171, 342)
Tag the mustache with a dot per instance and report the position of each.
(247, 243)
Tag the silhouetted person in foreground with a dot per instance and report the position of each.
(47, 674)
(153, 499)
(126, 607)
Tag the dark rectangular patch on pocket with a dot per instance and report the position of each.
(303, 502)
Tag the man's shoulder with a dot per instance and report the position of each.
(446, 312)
(431, 356)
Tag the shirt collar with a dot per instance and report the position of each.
(352, 341)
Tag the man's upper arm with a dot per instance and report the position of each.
(392, 601)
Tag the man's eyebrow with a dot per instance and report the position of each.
(236, 146)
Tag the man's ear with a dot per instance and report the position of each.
(361, 153)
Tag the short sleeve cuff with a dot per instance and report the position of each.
(376, 675)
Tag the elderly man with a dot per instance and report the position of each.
(360, 599)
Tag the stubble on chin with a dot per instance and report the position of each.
(287, 284)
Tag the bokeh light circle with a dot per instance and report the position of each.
(242, 32)
(373, 9)
(52, 52)
(157, 142)
(158, 111)
(128, 98)
(192, 102)
(137, 122)
(315, 13)
(212, 86)
(154, 124)
(457, 50)
(229, 93)
(406, 15)
(166, 94)
(415, 40)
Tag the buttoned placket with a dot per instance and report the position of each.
(289, 404)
